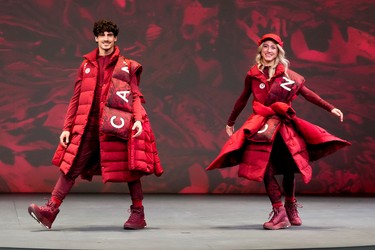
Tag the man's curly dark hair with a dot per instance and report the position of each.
(104, 25)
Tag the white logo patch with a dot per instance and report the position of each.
(262, 86)
(87, 70)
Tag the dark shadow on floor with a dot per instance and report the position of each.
(260, 227)
(92, 229)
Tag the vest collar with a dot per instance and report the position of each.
(255, 72)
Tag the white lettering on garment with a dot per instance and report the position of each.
(288, 82)
(125, 68)
(264, 129)
(117, 125)
(122, 95)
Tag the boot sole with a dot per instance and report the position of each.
(281, 225)
(130, 227)
(296, 224)
(32, 214)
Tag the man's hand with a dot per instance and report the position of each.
(138, 127)
(64, 138)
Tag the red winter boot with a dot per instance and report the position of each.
(279, 219)
(136, 219)
(292, 212)
(45, 215)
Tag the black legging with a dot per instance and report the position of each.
(273, 188)
(280, 155)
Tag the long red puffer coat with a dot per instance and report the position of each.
(272, 100)
(120, 160)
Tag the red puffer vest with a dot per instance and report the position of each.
(120, 160)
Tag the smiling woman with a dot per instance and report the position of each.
(269, 52)
(273, 140)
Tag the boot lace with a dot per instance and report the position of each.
(50, 206)
(273, 213)
(292, 207)
(134, 214)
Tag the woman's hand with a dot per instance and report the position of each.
(138, 127)
(338, 112)
(229, 130)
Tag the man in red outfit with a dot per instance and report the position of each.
(106, 130)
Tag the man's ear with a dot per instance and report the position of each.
(96, 39)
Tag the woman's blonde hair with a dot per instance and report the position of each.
(279, 59)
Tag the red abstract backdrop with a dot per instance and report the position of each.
(195, 56)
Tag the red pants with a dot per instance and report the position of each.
(88, 156)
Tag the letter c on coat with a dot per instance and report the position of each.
(265, 127)
(116, 125)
